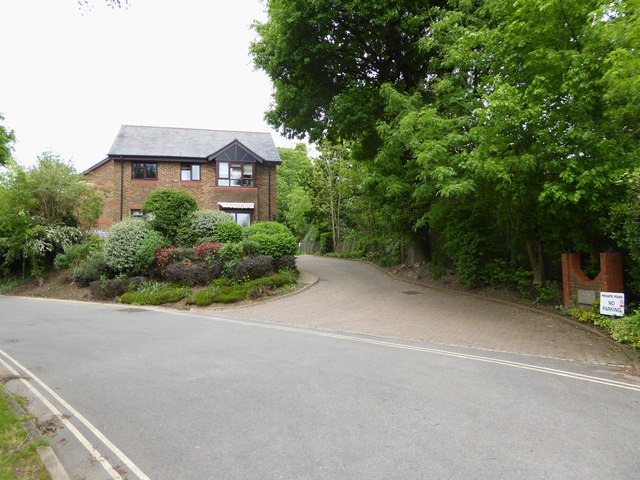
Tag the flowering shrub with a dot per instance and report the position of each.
(206, 251)
(165, 256)
(125, 248)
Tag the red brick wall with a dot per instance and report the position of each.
(608, 280)
(104, 178)
(107, 177)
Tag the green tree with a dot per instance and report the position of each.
(7, 137)
(170, 211)
(293, 179)
(41, 209)
(328, 59)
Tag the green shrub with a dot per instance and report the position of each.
(222, 291)
(228, 232)
(230, 253)
(275, 245)
(249, 247)
(326, 243)
(105, 289)
(268, 228)
(146, 254)
(252, 267)
(75, 254)
(204, 222)
(155, 294)
(90, 270)
(622, 329)
(171, 211)
(285, 262)
(183, 254)
(123, 248)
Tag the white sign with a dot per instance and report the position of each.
(612, 304)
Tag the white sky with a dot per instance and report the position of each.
(69, 80)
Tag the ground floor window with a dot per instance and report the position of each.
(241, 218)
(137, 213)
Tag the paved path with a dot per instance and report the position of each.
(353, 296)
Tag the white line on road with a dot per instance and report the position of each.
(466, 356)
(81, 438)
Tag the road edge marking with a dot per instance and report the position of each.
(81, 438)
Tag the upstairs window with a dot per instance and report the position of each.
(235, 174)
(190, 172)
(144, 171)
(235, 167)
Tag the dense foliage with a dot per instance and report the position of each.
(42, 212)
(204, 222)
(481, 131)
(271, 238)
(7, 137)
(227, 232)
(170, 211)
(130, 246)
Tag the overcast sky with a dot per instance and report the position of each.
(70, 78)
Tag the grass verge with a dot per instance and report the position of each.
(224, 291)
(19, 459)
(169, 294)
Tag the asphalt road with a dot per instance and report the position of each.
(171, 395)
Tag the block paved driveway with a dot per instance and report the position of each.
(352, 296)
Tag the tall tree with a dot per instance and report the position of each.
(293, 180)
(42, 209)
(327, 60)
(7, 137)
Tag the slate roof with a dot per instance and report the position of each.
(141, 141)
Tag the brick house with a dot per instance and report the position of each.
(230, 171)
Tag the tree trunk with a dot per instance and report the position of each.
(536, 259)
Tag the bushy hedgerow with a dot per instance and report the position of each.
(75, 254)
(251, 268)
(125, 249)
(189, 273)
(228, 232)
(170, 210)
